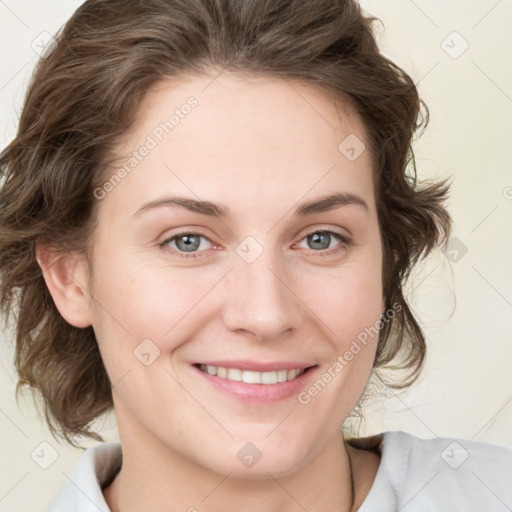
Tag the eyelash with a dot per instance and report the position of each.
(345, 240)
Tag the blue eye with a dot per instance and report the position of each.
(189, 244)
(320, 241)
(186, 242)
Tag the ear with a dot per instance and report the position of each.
(66, 276)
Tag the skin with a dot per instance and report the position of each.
(260, 147)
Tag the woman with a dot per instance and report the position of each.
(207, 220)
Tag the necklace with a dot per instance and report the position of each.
(352, 486)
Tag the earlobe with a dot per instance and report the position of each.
(65, 275)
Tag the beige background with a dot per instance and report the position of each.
(465, 304)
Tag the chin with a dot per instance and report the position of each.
(260, 459)
(256, 459)
(265, 468)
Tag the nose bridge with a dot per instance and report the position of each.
(259, 299)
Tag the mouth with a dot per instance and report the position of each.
(256, 382)
(252, 376)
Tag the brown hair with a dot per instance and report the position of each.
(82, 99)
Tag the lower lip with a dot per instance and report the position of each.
(263, 393)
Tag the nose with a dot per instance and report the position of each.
(260, 299)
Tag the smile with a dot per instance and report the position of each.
(252, 377)
(256, 382)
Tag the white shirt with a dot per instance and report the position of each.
(415, 475)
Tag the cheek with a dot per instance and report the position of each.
(351, 311)
(136, 301)
(348, 302)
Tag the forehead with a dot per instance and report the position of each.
(244, 139)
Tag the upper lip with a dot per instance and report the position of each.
(259, 367)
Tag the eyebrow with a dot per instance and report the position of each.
(211, 209)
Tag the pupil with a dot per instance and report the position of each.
(316, 239)
(189, 243)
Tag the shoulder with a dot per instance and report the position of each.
(438, 474)
(81, 491)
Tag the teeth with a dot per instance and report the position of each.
(282, 375)
(269, 378)
(251, 377)
(292, 374)
(234, 374)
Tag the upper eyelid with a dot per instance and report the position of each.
(343, 237)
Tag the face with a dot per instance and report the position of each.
(213, 270)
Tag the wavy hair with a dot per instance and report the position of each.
(83, 97)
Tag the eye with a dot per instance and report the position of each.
(186, 242)
(189, 244)
(320, 241)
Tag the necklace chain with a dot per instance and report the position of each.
(352, 486)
